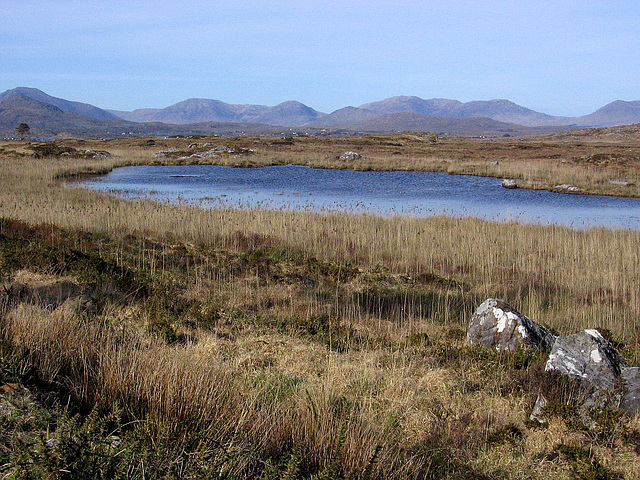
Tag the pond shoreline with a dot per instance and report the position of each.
(451, 169)
(391, 192)
(521, 184)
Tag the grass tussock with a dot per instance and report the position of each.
(259, 344)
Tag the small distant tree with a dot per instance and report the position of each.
(23, 130)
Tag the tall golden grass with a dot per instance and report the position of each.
(412, 402)
(567, 278)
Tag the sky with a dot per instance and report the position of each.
(561, 57)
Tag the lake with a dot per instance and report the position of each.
(418, 194)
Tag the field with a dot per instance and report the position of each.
(259, 344)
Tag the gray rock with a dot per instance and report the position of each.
(509, 183)
(165, 152)
(223, 149)
(566, 188)
(603, 376)
(537, 415)
(350, 156)
(630, 401)
(496, 324)
(210, 154)
(586, 355)
(97, 154)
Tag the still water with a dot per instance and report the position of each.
(418, 194)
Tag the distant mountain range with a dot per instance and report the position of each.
(500, 110)
(50, 116)
(196, 110)
(47, 121)
(469, 126)
(297, 114)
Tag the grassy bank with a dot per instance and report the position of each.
(597, 161)
(233, 344)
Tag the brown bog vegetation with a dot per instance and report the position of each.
(258, 344)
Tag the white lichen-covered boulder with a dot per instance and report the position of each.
(603, 376)
(509, 183)
(496, 324)
(566, 188)
(588, 356)
(350, 156)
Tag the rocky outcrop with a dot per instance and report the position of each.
(496, 324)
(594, 363)
(566, 188)
(166, 151)
(590, 362)
(208, 154)
(509, 183)
(222, 149)
(587, 356)
(350, 156)
(217, 152)
(96, 154)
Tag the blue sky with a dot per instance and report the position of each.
(559, 57)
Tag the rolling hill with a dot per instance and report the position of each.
(297, 114)
(65, 105)
(50, 116)
(471, 126)
(196, 110)
(48, 121)
(501, 110)
(612, 115)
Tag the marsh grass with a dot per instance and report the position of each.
(262, 344)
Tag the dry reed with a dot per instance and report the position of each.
(411, 401)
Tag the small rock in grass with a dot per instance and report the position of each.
(350, 156)
(566, 188)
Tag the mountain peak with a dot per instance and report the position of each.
(25, 103)
(194, 110)
(619, 112)
(412, 104)
(25, 91)
(65, 105)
